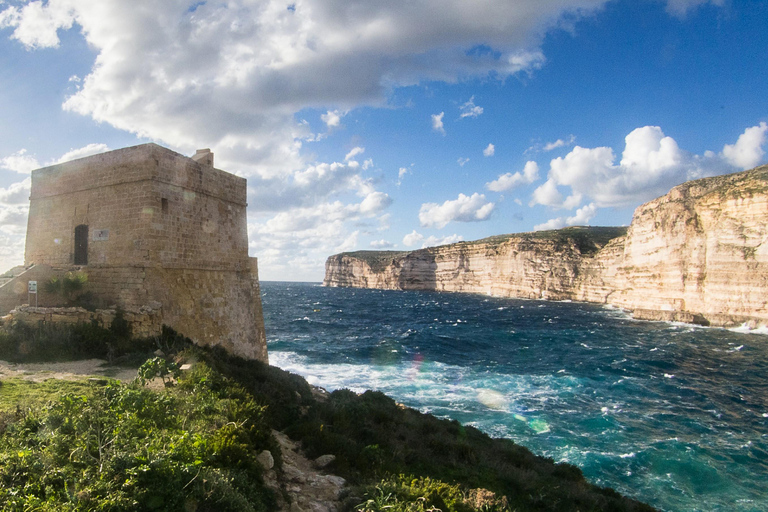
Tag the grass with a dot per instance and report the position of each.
(17, 393)
(193, 446)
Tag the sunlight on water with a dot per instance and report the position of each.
(672, 414)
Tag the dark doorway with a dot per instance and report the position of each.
(81, 245)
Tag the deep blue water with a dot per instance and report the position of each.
(671, 414)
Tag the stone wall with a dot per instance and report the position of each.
(142, 205)
(15, 291)
(161, 227)
(145, 322)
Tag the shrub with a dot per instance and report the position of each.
(122, 447)
(69, 287)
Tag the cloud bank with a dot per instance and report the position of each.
(474, 208)
(651, 164)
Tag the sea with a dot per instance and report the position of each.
(671, 414)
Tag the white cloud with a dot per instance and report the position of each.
(382, 244)
(469, 109)
(581, 218)
(651, 164)
(234, 74)
(583, 215)
(437, 122)
(23, 163)
(748, 151)
(414, 238)
(90, 149)
(461, 161)
(557, 223)
(474, 208)
(508, 181)
(490, 150)
(374, 203)
(20, 162)
(353, 153)
(11, 251)
(681, 7)
(35, 25)
(13, 220)
(332, 118)
(401, 174)
(16, 194)
(14, 202)
(434, 241)
(309, 186)
(295, 243)
(559, 143)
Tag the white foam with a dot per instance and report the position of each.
(746, 329)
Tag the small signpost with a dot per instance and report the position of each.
(32, 288)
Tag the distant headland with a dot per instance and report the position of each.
(696, 255)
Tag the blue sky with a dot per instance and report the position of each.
(390, 124)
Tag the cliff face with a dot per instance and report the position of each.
(696, 254)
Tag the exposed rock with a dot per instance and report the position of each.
(324, 460)
(697, 254)
(266, 460)
(308, 489)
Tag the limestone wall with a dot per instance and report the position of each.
(143, 205)
(145, 322)
(15, 290)
(698, 254)
(161, 227)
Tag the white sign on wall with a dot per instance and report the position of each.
(100, 234)
(32, 286)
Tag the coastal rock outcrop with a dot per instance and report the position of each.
(697, 254)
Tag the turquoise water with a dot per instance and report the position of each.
(674, 415)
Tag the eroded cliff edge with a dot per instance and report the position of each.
(696, 254)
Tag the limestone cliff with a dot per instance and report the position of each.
(696, 254)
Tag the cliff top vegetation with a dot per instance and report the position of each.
(588, 239)
(737, 184)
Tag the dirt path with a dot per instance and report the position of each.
(72, 370)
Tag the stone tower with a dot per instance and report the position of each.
(150, 225)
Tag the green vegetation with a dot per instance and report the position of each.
(19, 394)
(70, 288)
(125, 447)
(377, 260)
(587, 239)
(21, 342)
(192, 445)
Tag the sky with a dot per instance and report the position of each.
(391, 124)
